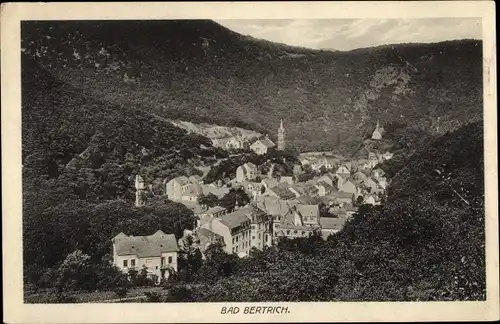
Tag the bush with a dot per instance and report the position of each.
(152, 297)
(121, 292)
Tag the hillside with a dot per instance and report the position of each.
(80, 157)
(426, 243)
(70, 134)
(204, 73)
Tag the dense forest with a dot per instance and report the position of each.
(202, 72)
(80, 157)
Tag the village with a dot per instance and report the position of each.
(279, 206)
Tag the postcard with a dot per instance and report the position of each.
(249, 162)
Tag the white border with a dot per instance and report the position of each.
(17, 312)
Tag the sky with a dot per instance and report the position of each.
(347, 34)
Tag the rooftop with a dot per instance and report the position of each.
(331, 223)
(267, 142)
(145, 246)
(214, 210)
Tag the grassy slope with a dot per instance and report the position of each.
(241, 81)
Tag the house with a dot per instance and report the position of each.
(343, 170)
(261, 227)
(348, 185)
(378, 173)
(156, 253)
(324, 188)
(371, 199)
(218, 191)
(329, 178)
(309, 213)
(196, 179)
(234, 143)
(331, 225)
(373, 186)
(205, 237)
(205, 218)
(382, 182)
(342, 198)
(183, 189)
(309, 200)
(235, 230)
(286, 179)
(247, 171)
(359, 177)
(296, 190)
(339, 212)
(293, 225)
(280, 191)
(324, 162)
(261, 146)
(275, 208)
(269, 183)
(378, 132)
(219, 142)
(253, 189)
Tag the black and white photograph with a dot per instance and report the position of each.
(253, 161)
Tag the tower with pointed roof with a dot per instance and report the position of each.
(281, 137)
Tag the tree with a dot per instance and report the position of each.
(229, 200)
(75, 272)
(209, 200)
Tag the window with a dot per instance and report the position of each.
(288, 232)
(125, 263)
(253, 227)
(132, 263)
(259, 236)
(233, 240)
(162, 260)
(236, 238)
(169, 259)
(253, 237)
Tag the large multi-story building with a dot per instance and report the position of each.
(235, 229)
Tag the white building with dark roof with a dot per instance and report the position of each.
(184, 189)
(157, 253)
(262, 146)
(247, 171)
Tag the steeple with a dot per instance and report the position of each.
(281, 137)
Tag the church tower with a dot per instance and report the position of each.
(281, 137)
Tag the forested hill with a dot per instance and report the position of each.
(427, 242)
(202, 72)
(80, 157)
(99, 146)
